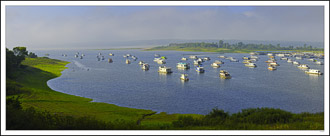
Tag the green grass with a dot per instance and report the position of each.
(34, 79)
(32, 87)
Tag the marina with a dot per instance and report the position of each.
(205, 83)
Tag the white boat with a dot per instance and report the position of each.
(200, 59)
(296, 62)
(312, 60)
(284, 58)
(141, 62)
(218, 62)
(161, 61)
(289, 61)
(193, 57)
(200, 69)
(303, 66)
(206, 58)
(76, 56)
(253, 53)
(224, 74)
(229, 58)
(271, 68)
(319, 62)
(111, 54)
(164, 69)
(183, 58)
(299, 58)
(254, 57)
(134, 58)
(273, 64)
(183, 65)
(246, 58)
(157, 59)
(128, 61)
(215, 65)
(251, 65)
(234, 60)
(184, 77)
(222, 56)
(145, 66)
(270, 54)
(196, 62)
(313, 71)
(246, 61)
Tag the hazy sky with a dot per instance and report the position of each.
(75, 26)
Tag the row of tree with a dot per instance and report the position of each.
(15, 57)
(241, 45)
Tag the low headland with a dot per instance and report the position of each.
(32, 105)
(239, 47)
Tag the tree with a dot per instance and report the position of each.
(20, 53)
(32, 55)
(220, 44)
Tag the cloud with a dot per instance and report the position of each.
(43, 27)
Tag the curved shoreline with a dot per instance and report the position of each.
(42, 97)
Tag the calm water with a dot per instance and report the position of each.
(288, 87)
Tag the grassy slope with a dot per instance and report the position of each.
(40, 70)
(222, 50)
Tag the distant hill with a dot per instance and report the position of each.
(162, 42)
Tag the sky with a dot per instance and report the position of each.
(95, 26)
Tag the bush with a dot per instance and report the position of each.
(262, 116)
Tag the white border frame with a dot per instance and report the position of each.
(169, 3)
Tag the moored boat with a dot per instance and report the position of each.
(183, 58)
(251, 65)
(141, 62)
(246, 61)
(218, 62)
(196, 62)
(161, 61)
(303, 66)
(319, 62)
(183, 65)
(273, 64)
(295, 63)
(224, 74)
(215, 65)
(128, 61)
(184, 77)
(271, 68)
(206, 58)
(110, 60)
(313, 71)
(164, 69)
(200, 69)
(145, 66)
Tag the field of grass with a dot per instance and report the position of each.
(35, 93)
(211, 49)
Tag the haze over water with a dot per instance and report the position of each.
(287, 88)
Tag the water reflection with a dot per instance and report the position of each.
(313, 77)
